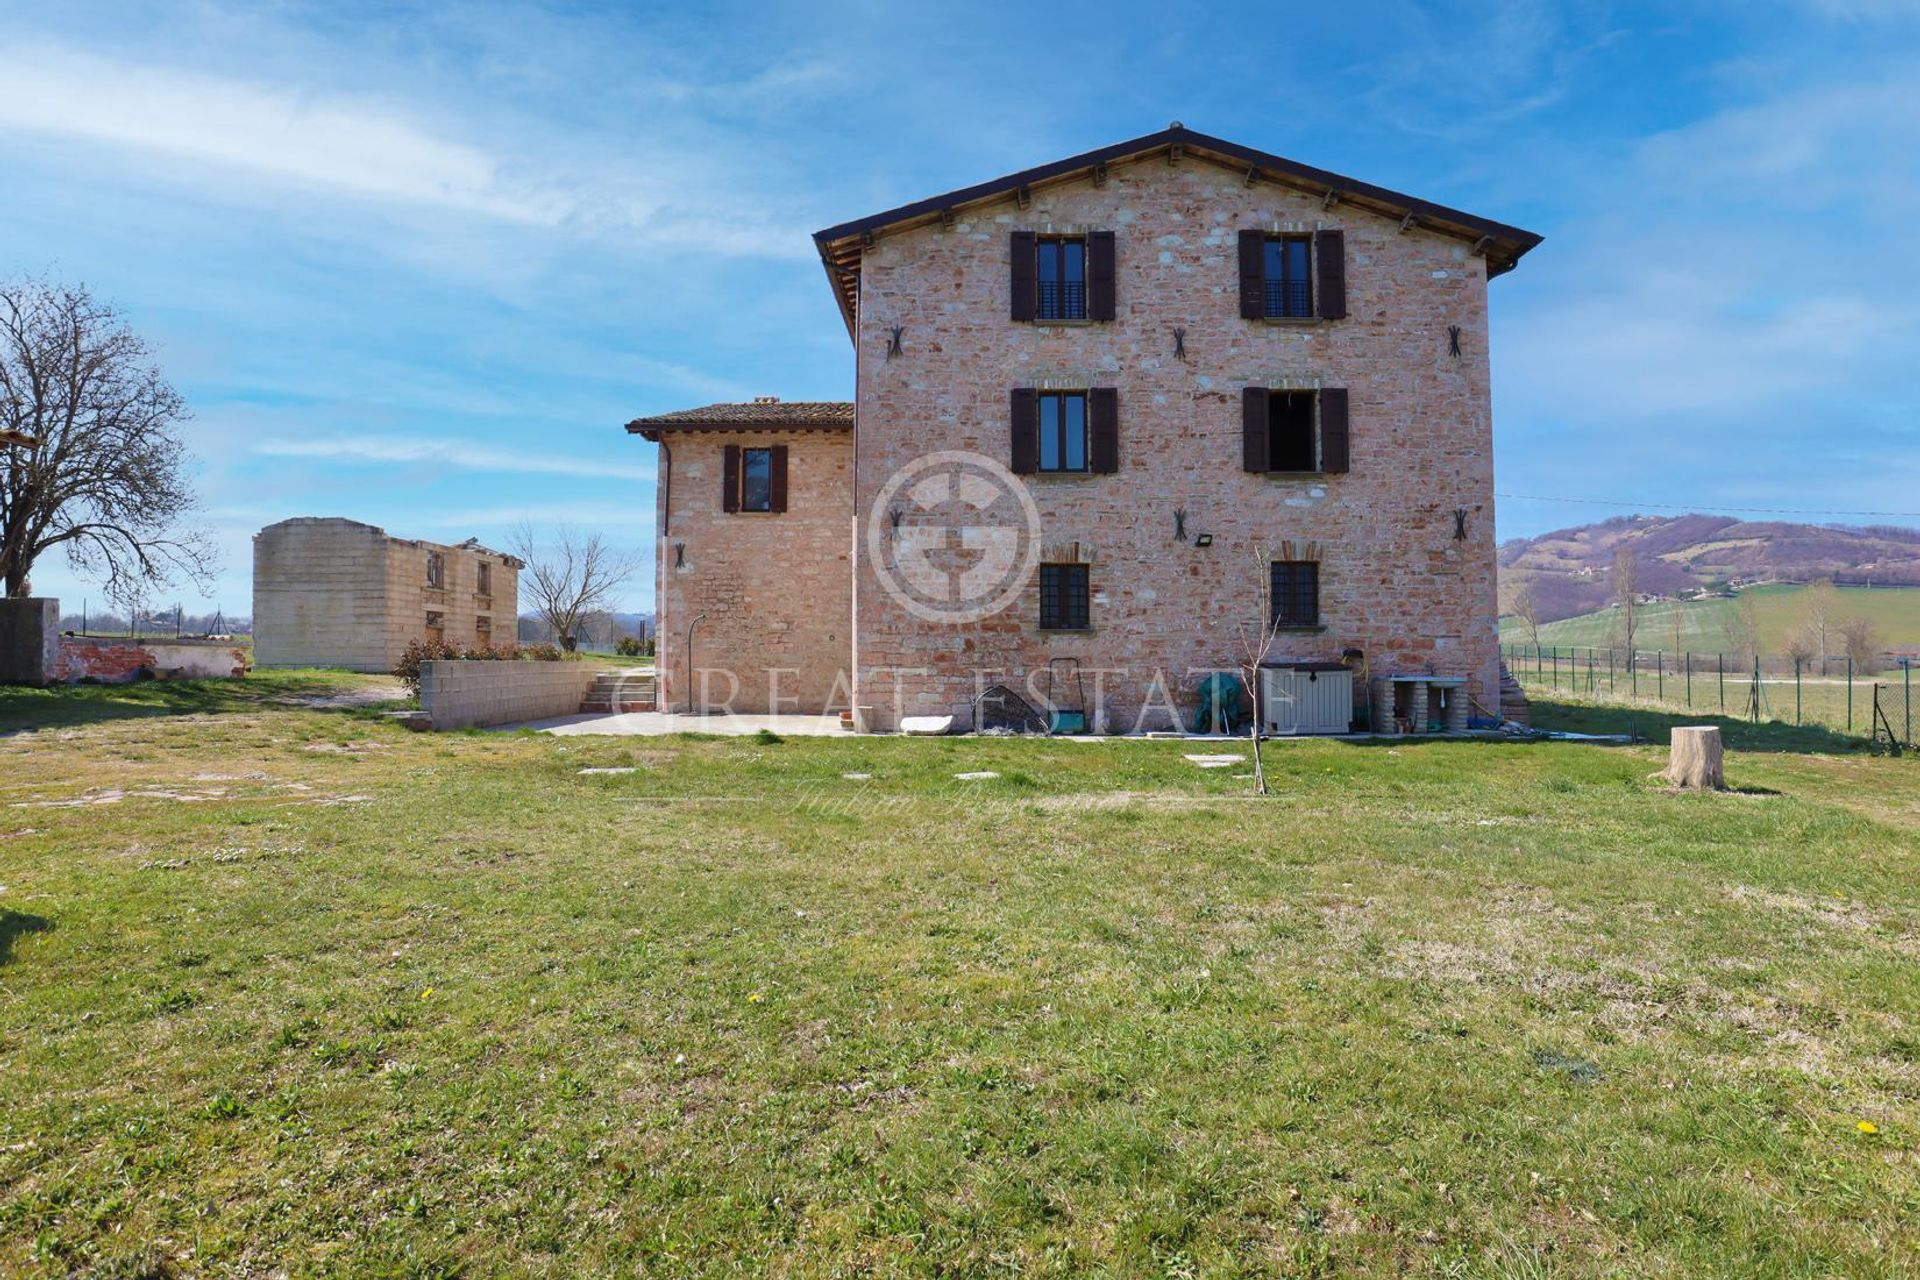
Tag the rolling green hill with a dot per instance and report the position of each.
(1712, 625)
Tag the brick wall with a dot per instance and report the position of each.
(112, 660)
(1394, 580)
(772, 590)
(468, 695)
(337, 593)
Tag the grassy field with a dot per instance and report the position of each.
(1710, 626)
(287, 990)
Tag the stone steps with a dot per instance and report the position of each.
(618, 691)
(1513, 699)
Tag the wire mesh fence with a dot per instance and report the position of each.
(1868, 699)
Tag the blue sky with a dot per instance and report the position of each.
(416, 263)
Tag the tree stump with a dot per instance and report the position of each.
(1695, 761)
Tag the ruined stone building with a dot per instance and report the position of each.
(1103, 408)
(329, 592)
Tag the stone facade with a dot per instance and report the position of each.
(771, 591)
(1395, 582)
(329, 592)
(1176, 539)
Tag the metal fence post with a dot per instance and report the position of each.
(1849, 693)
(1689, 679)
(1723, 683)
(1906, 666)
(1660, 675)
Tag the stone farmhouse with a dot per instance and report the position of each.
(1104, 409)
(329, 592)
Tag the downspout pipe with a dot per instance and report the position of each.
(690, 626)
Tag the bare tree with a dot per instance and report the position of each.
(1747, 624)
(1527, 610)
(1862, 637)
(1818, 605)
(1256, 640)
(572, 575)
(1801, 645)
(1626, 590)
(105, 475)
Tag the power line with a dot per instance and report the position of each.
(1706, 510)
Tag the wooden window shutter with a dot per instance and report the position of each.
(777, 482)
(730, 480)
(1100, 277)
(1103, 412)
(1253, 275)
(1334, 434)
(1330, 260)
(1253, 428)
(1024, 268)
(1026, 432)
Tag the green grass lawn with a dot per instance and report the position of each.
(286, 990)
(1711, 626)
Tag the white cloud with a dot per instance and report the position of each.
(450, 453)
(358, 148)
(381, 151)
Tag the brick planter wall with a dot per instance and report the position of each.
(471, 695)
(116, 661)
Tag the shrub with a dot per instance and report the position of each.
(419, 651)
(629, 646)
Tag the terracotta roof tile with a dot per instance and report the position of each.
(756, 415)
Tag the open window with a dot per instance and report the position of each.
(1291, 431)
(436, 570)
(483, 579)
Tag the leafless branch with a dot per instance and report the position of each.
(570, 575)
(105, 478)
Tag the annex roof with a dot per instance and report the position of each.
(767, 413)
(841, 246)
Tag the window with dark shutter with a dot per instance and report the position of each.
(1334, 433)
(1296, 593)
(1330, 263)
(1290, 432)
(1061, 275)
(1253, 428)
(1302, 432)
(1064, 597)
(756, 480)
(1103, 409)
(730, 479)
(1063, 431)
(777, 491)
(1101, 274)
(1025, 419)
(1253, 286)
(1288, 280)
(1023, 274)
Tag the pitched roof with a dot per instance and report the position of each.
(765, 414)
(841, 246)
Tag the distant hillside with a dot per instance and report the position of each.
(1712, 624)
(1568, 569)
